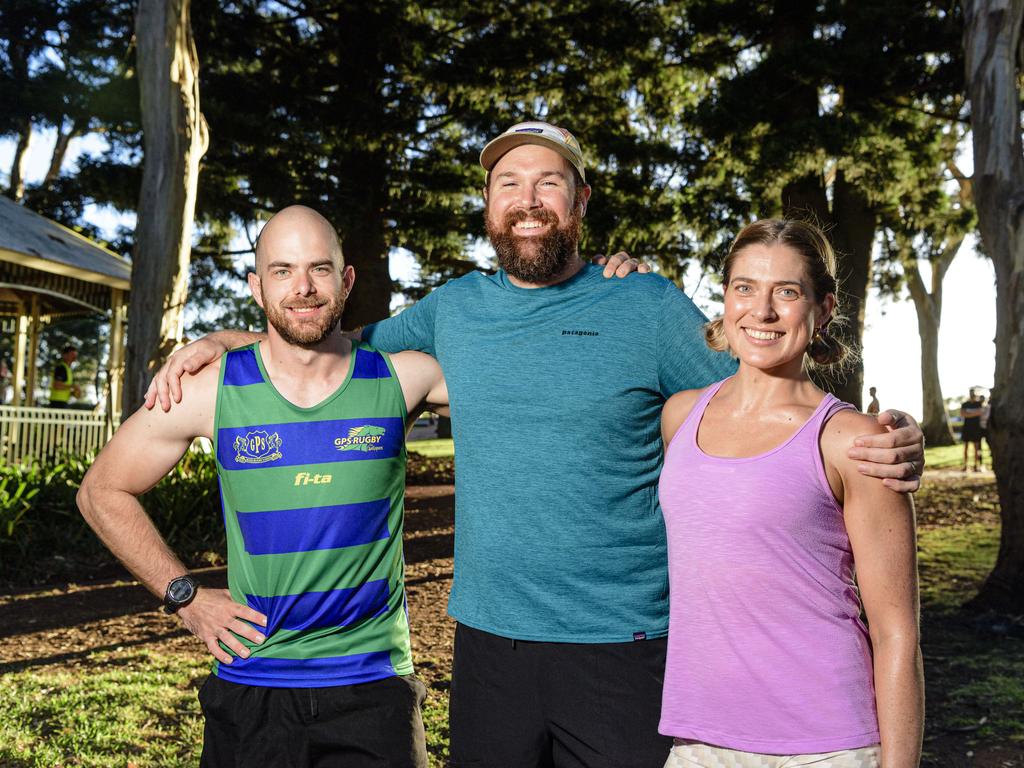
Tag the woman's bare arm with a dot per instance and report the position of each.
(880, 523)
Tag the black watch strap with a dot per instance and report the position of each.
(180, 592)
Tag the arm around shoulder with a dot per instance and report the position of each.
(411, 329)
(150, 442)
(685, 361)
(166, 386)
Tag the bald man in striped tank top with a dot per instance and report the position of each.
(312, 662)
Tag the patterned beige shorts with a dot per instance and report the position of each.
(692, 754)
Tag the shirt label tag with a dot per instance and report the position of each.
(639, 635)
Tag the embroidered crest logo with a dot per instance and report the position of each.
(365, 438)
(257, 447)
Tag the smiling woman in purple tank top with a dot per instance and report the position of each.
(777, 542)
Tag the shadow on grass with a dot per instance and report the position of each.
(76, 606)
(82, 655)
(974, 675)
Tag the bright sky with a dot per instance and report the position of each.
(892, 346)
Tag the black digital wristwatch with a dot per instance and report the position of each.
(180, 592)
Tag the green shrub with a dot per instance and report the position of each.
(43, 537)
(16, 494)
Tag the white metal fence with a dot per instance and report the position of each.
(43, 433)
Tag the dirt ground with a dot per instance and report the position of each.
(60, 626)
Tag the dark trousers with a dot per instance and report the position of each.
(520, 704)
(370, 725)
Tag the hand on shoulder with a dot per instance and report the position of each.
(194, 413)
(837, 438)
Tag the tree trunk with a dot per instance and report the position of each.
(17, 186)
(805, 199)
(853, 237)
(370, 301)
(936, 427)
(992, 37)
(174, 140)
(362, 170)
(364, 240)
(60, 150)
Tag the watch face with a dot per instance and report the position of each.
(180, 590)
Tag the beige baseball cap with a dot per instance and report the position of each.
(534, 132)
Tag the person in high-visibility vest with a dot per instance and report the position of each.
(62, 385)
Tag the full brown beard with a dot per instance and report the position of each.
(535, 259)
(306, 334)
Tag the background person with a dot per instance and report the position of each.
(986, 412)
(971, 432)
(62, 382)
(560, 585)
(769, 663)
(309, 437)
(5, 375)
(873, 407)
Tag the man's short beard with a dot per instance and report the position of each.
(536, 259)
(306, 335)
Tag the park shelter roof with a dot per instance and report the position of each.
(69, 272)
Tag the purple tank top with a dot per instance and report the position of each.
(766, 649)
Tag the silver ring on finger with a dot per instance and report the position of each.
(913, 467)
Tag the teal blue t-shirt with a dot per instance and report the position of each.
(556, 397)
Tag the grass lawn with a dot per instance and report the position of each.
(120, 709)
(952, 456)
(433, 448)
(132, 707)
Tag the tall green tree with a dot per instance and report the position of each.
(62, 66)
(992, 43)
(811, 110)
(332, 112)
(24, 25)
(374, 112)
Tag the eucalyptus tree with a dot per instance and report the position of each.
(992, 44)
(23, 38)
(928, 225)
(175, 138)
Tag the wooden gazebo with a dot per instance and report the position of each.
(48, 271)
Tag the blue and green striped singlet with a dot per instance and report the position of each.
(313, 507)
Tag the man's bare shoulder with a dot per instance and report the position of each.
(204, 382)
(421, 379)
(412, 363)
(192, 416)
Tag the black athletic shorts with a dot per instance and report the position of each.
(350, 726)
(520, 704)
